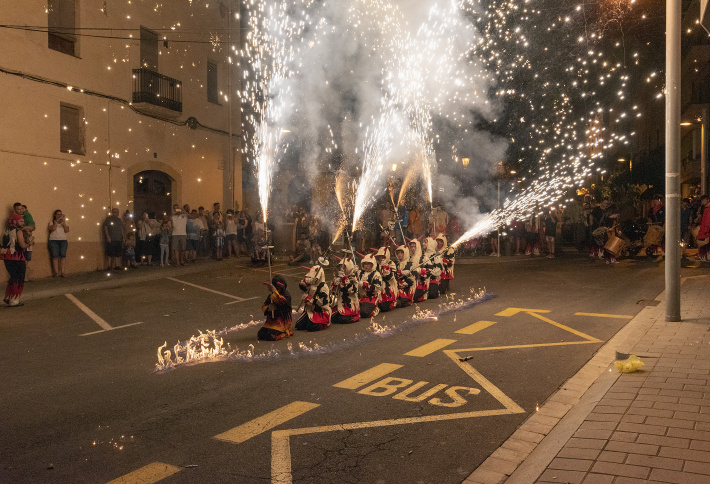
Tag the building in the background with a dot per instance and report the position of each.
(114, 103)
(695, 102)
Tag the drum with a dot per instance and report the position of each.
(615, 245)
(599, 235)
(654, 235)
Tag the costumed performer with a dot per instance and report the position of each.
(405, 279)
(277, 309)
(447, 259)
(316, 301)
(370, 287)
(344, 293)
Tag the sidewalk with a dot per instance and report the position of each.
(602, 426)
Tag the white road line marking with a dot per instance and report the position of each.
(97, 319)
(112, 329)
(239, 299)
(235, 302)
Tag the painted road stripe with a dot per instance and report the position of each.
(355, 382)
(598, 315)
(97, 319)
(236, 302)
(112, 329)
(206, 289)
(430, 348)
(147, 475)
(259, 425)
(476, 327)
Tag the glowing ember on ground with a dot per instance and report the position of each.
(209, 346)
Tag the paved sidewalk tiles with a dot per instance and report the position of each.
(610, 428)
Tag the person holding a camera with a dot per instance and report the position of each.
(58, 243)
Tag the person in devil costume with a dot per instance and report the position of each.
(344, 293)
(370, 287)
(406, 281)
(447, 256)
(277, 309)
(388, 270)
(316, 301)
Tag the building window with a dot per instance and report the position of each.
(149, 49)
(61, 26)
(212, 91)
(71, 129)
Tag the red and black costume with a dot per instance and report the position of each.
(277, 309)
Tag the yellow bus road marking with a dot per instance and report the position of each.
(535, 313)
(207, 289)
(430, 348)
(476, 327)
(355, 382)
(280, 439)
(259, 425)
(599, 315)
(147, 475)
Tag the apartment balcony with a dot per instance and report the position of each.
(156, 94)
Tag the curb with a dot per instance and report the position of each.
(529, 450)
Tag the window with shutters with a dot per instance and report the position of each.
(61, 26)
(71, 129)
(212, 88)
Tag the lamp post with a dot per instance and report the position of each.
(672, 139)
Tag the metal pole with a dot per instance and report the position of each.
(704, 152)
(672, 269)
(499, 213)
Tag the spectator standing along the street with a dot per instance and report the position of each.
(57, 243)
(193, 228)
(415, 224)
(179, 235)
(550, 232)
(231, 228)
(113, 231)
(218, 237)
(704, 232)
(14, 258)
(165, 233)
(28, 230)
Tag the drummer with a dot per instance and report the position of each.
(602, 218)
(657, 217)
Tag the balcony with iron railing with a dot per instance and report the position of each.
(152, 90)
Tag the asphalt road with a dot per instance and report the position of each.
(84, 404)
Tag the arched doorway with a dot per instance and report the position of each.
(152, 191)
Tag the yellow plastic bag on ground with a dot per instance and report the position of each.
(629, 365)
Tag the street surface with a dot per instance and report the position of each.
(82, 403)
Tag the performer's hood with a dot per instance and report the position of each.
(404, 249)
(441, 237)
(348, 266)
(430, 247)
(279, 283)
(315, 276)
(384, 251)
(368, 258)
(417, 252)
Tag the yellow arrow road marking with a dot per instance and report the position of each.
(355, 382)
(259, 425)
(533, 345)
(599, 315)
(148, 474)
(476, 327)
(430, 348)
(535, 313)
(514, 311)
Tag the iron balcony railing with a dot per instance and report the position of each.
(156, 89)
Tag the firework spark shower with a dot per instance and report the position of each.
(397, 87)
